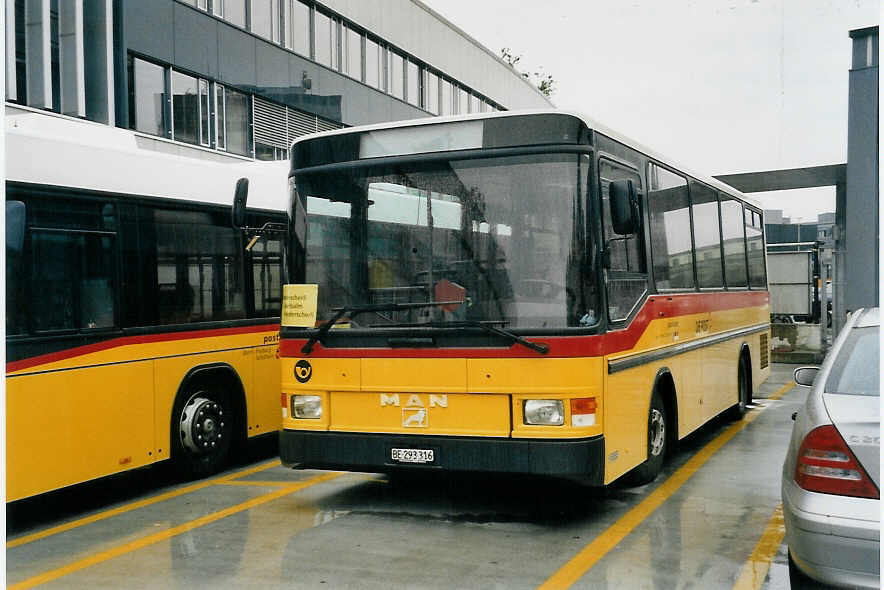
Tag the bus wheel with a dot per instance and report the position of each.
(738, 410)
(202, 432)
(657, 444)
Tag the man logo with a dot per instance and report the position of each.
(414, 418)
(415, 413)
(303, 371)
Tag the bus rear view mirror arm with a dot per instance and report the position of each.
(238, 216)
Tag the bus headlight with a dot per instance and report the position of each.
(548, 412)
(307, 406)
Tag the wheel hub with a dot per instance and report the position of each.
(202, 425)
(658, 432)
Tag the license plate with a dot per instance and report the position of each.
(413, 455)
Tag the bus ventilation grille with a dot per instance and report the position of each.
(765, 352)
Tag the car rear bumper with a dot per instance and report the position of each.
(573, 459)
(834, 550)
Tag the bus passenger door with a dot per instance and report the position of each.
(627, 393)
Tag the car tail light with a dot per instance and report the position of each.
(825, 464)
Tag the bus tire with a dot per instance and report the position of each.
(202, 429)
(744, 390)
(658, 439)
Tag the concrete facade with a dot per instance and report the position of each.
(302, 65)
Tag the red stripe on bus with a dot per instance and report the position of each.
(69, 353)
(656, 306)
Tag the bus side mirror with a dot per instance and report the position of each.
(624, 207)
(240, 197)
(15, 227)
(805, 375)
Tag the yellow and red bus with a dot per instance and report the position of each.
(516, 292)
(138, 329)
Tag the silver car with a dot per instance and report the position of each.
(831, 476)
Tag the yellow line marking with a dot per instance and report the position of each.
(592, 553)
(169, 533)
(254, 482)
(755, 570)
(135, 505)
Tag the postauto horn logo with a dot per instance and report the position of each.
(303, 371)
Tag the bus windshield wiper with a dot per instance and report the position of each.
(490, 326)
(353, 310)
(492, 329)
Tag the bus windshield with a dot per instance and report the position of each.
(501, 239)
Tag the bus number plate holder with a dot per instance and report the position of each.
(420, 456)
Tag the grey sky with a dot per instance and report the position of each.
(723, 86)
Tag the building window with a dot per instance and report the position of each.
(413, 94)
(220, 117)
(218, 8)
(147, 97)
(235, 12)
(297, 27)
(432, 94)
(447, 101)
(326, 30)
(236, 121)
(473, 103)
(462, 101)
(265, 19)
(185, 108)
(353, 53)
(204, 112)
(396, 69)
(373, 66)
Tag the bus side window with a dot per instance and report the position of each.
(626, 274)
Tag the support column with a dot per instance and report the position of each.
(71, 58)
(839, 261)
(38, 53)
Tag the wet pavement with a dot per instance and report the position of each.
(706, 522)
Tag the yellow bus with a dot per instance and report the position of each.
(138, 329)
(516, 292)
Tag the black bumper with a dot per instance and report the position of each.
(581, 459)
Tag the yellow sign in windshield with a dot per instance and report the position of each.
(299, 305)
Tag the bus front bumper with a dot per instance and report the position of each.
(581, 459)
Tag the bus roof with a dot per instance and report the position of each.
(47, 149)
(591, 123)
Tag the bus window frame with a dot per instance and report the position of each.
(748, 207)
(28, 193)
(742, 203)
(643, 237)
(717, 193)
(687, 179)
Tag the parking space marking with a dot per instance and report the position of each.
(169, 533)
(568, 574)
(139, 504)
(254, 482)
(755, 570)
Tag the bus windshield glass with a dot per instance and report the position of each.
(498, 239)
